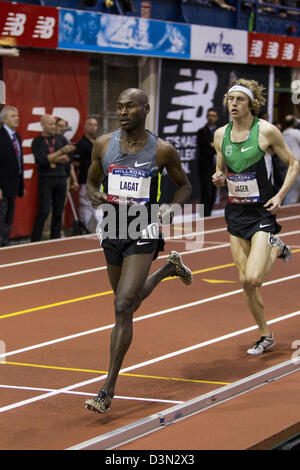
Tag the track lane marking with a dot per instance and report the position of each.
(120, 397)
(75, 253)
(143, 317)
(101, 268)
(72, 369)
(142, 364)
(100, 294)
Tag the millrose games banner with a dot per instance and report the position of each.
(98, 32)
(28, 25)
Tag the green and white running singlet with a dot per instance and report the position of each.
(249, 184)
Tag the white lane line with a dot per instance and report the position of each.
(86, 271)
(141, 364)
(143, 317)
(93, 235)
(75, 253)
(43, 242)
(52, 278)
(100, 268)
(71, 392)
(47, 258)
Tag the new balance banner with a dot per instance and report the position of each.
(39, 83)
(271, 49)
(187, 90)
(28, 25)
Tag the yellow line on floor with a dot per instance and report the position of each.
(56, 304)
(100, 294)
(105, 372)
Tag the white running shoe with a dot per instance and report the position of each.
(261, 345)
(286, 252)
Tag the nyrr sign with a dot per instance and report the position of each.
(28, 25)
(218, 44)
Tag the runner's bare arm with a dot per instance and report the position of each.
(168, 157)
(95, 172)
(272, 138)
(218, 177)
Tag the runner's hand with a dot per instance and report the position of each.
(218, 178)
(273, 205)
(98, 198)
(165, 214)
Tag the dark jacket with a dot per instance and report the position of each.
(205, 152)
(11, 182)
(84, 150)
(41, 150)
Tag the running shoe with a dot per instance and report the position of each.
(261, 345)
(100, 403)
(285, 250)
(182, 271)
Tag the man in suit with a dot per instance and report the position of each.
(206, 156)
(11, 170)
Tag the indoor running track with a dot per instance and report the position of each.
(55, 323)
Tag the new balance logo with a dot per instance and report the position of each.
(256, 49)
(14, 24)
(44, 28)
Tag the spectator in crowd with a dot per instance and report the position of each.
(84, 150)
(52, 154)
(292, 138)
(279, 168)
(11, 170)
(206, 157)
(62, 128)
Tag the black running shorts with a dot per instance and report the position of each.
(243, 220)
(115, 250)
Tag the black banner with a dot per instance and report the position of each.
(187, 90)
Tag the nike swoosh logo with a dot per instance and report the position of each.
(245, 150)
(142, 243)
(140, 164)
(266, 225)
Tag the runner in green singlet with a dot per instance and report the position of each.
(243, 162)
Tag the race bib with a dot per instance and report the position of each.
(242, 188)
(128, 185)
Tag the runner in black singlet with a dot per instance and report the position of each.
(242, 147)
(128, 165)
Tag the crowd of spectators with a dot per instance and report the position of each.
(61, 167)
(264, 6)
